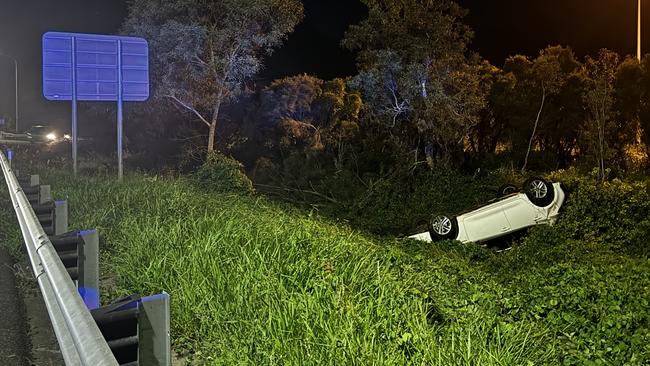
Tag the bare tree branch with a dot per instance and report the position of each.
(189, 108)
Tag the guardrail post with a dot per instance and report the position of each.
(60, 224)
(89, 268)
(154, 320)
(79, 252)
(53, 216)
(44, 194)
(137, 329)
(35, 192)
(29, 181)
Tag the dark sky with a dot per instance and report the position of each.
(502, 27)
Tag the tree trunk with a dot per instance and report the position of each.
(213, 129)
(213, 123)
(532, 137)
(601, 141)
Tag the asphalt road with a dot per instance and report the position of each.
(14, 346)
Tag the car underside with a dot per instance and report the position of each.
(538, 203)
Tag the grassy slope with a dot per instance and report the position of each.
(257, 283)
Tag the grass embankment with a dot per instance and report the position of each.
(253, 282)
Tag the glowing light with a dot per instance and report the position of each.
(51, 136)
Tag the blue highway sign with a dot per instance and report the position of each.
(90, 67)
(93, 67)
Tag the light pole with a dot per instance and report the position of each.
(638, 31)
(16, 76)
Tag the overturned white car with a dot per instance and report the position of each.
(539, 202)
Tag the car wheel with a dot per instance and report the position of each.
(539, 192)
(507, 189)
(443, 227)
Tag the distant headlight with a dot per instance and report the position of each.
(51, 136)
(67, 137)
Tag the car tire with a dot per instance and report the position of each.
(507, 189)
(443, 227)
(540, 192)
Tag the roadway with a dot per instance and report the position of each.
(26, 335)
(13, 326)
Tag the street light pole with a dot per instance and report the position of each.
(16, 77)
(638, 41)
(16, 74)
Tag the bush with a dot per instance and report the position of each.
(614, 215)
(221, 174)
(397, 204)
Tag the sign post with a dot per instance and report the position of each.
(88, 67)
(120, 101)
(74, 105)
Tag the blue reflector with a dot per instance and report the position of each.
(90, 297)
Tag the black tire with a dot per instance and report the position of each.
(443, 227)
(540, 192)
(507, 189)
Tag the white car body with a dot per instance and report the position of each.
(506, 215)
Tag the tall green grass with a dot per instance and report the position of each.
(258, 283)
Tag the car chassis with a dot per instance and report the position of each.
(538, 203)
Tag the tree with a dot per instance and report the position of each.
(644, 109)
(549, 73)
(414, 74)
(489, 131)
(627, 106)
(545, 91)
(565, 118)
(205, 51)
(628, 90)
(599, 100)
(305, 113)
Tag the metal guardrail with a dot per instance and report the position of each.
(78, 335)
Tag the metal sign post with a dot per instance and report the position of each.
(120, 97)
(74, 105)
(89, 67)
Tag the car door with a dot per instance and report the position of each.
(486, 223)
(521, 213)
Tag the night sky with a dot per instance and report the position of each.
(502, 27)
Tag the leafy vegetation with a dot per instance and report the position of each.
(204, 53)
(256, 282)
(223, 174)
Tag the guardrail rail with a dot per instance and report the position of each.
(87, 334)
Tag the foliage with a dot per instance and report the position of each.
(614, 214)
(301, 130)
(221, 174)
(204, 52)
(413, 82)
(401, 202)
(599, 100)
(591, 299)
(245, 275)
(539, 101)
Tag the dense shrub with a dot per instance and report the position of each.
(596, 304)
(402, 201)
(396, 204)
(220, 174)
(613, 214)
